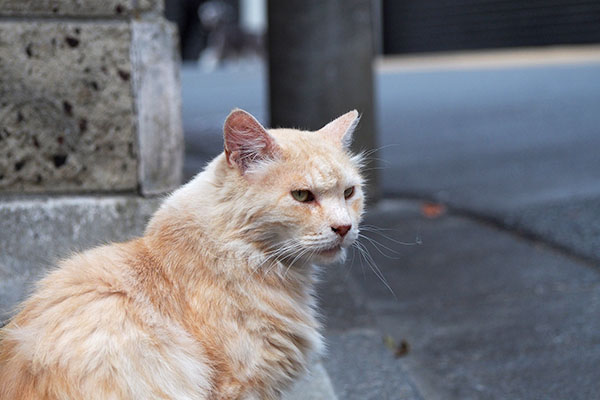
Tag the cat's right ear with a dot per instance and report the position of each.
(247, 141)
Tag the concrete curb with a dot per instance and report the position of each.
(316, 385)
(35, 232)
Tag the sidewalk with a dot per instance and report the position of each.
(485, 314)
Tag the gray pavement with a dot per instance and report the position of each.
(501, 300)
(486, 314)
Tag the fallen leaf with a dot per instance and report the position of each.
(402, 349)
(399, 350)
(389, 342)
(432, 210)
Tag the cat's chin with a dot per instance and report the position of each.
(330, 256)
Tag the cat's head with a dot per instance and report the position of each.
(303, 189)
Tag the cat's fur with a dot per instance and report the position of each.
(215, 301)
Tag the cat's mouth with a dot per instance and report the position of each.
(330, 251)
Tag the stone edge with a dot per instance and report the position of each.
(157, 97)
(129, 9)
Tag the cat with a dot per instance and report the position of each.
(216, 300)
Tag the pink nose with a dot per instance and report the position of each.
(341, 230)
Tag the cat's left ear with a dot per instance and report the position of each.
(247, 141)
(340, 130)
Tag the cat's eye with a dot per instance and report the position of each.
(303, 196)
(349, 192)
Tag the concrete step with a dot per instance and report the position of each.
(35, 232)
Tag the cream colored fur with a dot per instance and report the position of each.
(216, 300)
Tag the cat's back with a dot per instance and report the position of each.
(88, 332)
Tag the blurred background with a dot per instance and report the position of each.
(477, 275)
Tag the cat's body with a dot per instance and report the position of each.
(215, 301)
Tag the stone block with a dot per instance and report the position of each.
(111, 8)
(36, 233)
(66, 107)
(71, 117)
(158, 103)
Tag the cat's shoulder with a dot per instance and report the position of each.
(84, 283)
(85, 317)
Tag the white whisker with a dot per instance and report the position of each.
(374, 229)
(371, 263)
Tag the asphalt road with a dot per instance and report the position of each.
(519, 145)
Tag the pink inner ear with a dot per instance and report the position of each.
(340, 129)
(246, 141)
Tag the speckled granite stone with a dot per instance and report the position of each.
(89, 106)
(111, 8)
(67, 116)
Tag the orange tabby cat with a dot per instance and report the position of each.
(215, 301)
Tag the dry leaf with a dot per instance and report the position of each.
(402, 349)
(389, 342)
(399, 350)
(432, 210)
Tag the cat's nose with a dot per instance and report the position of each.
(341, 230)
